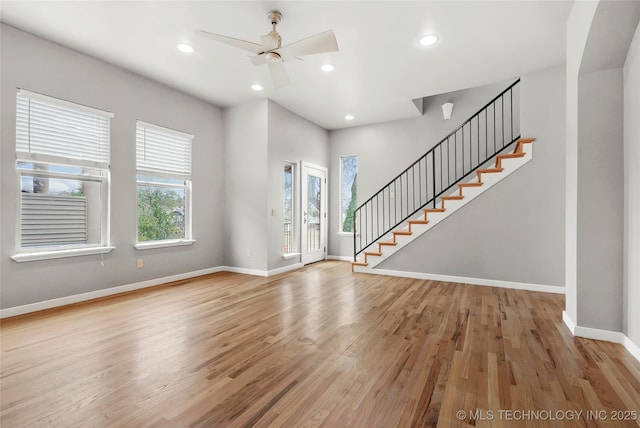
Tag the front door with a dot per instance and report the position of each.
(314, 213)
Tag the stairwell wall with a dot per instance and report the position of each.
(515, 231)
(385, 149)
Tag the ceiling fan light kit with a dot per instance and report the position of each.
(271, 51)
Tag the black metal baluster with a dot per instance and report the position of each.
(502, 119)
(511, 114)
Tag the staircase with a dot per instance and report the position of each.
(409, 230)
(482, 151)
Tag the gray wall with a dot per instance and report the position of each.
(32, 63)
(291, 138)
(386, 149)
(600, 199)
(245, 235)
(596, 205)
(514, 231)
(259, 138)
(578, 25)
(631, 191)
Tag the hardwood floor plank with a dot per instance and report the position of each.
(316, 347)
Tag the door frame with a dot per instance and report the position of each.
(324, 220)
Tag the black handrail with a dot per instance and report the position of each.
(434, 179)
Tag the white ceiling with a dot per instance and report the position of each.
(380, 67)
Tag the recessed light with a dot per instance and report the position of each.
(349, 117)
(327, 68)
(183, 47)
(428, 40)
(256, 87)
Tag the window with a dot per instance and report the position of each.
(163, 167)
(289, 245)
(62, 152)
(348, 186)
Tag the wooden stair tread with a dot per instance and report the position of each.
(490, 170)
(517, 153)
(510, 155)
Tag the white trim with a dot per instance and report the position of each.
(340, 231)
(69, 104)
(165, 129)
(258, 272)
(162, 244)
(349, 234)
(284, 269)
(290, 256)
(76, 298)
(569, 322)
(599, 334)
(305, 257)
(472, 281)
(631, 347)
(341, 258)
(59, 254)
(245, 271)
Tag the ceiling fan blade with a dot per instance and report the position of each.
(278, 74)
(270, 41)
(242, 44)
(320, 43)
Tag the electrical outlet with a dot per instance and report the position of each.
(140, 264)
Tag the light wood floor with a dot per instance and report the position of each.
(316, 347)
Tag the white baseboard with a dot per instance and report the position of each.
(265, 273)
(341, 258)
(569, 322)
(245, 271)
(472, 281)
(599, 334)
(631, 347)
(83, 297)
(76, 298)
(284, 269)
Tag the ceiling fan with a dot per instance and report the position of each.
(271, 51)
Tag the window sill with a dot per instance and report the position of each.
(347, 234)
(290, 256)
(59, 254)
(163, 244)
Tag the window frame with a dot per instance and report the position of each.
(103, 177)
(341, 232)
(186, 186)
(294, 250)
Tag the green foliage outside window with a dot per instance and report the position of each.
(159, 214)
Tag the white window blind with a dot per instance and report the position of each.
(53, 220)
(163, 151)
(49, 129)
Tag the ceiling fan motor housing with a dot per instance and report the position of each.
(274, 17)
(273, 57)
